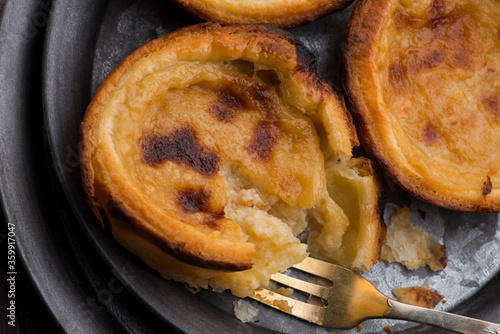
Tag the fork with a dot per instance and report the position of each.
(353, 299)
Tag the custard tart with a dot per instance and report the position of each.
(215, 154)
(281, 13)
(422, 80)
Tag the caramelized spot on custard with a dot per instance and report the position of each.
(240, 94)
(438, 8)
(263, 140)
(455, 32)
(396, 76)
(487, 187)
(430, 135)
(262, 98)
(445, 37)
(403, 20)
(194, 200)
(227, 105)
(462, 58)
(182, 147)
(492, 105)
(425, 60)
(434, 59)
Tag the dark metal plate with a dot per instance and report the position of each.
(85, 40)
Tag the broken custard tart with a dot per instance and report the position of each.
(423, 84)
(281, 13)
(210, 151)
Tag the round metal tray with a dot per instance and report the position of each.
(89, 282)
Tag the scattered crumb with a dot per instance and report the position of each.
(285, 291)
(245, 311)
(191, 289)
(418, 296)
(359, 328)
(388, 329)
(411, 245)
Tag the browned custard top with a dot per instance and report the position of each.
(431, 85)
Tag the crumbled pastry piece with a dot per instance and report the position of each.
(411, 245)
(348, 240)
(388, 329)
(245, 311)
(282, 13)
(191, 289)
(418, 296)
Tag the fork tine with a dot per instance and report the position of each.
(291, 306)
(298, 284)
(318, 268)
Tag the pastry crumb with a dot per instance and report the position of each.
(411, 245)
(191, 289)
(388, 329)
(245, 311)
(287, 292)
(418, 296)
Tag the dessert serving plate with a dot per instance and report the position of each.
(84, 41)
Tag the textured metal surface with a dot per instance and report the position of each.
(73, 70)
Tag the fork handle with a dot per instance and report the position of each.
(449, 321)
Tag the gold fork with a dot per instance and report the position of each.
(353, 299)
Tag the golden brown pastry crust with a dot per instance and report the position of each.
(209, 125)
(281, 13)
(418, 296)
(421, 80)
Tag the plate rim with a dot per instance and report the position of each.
(49, 268)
